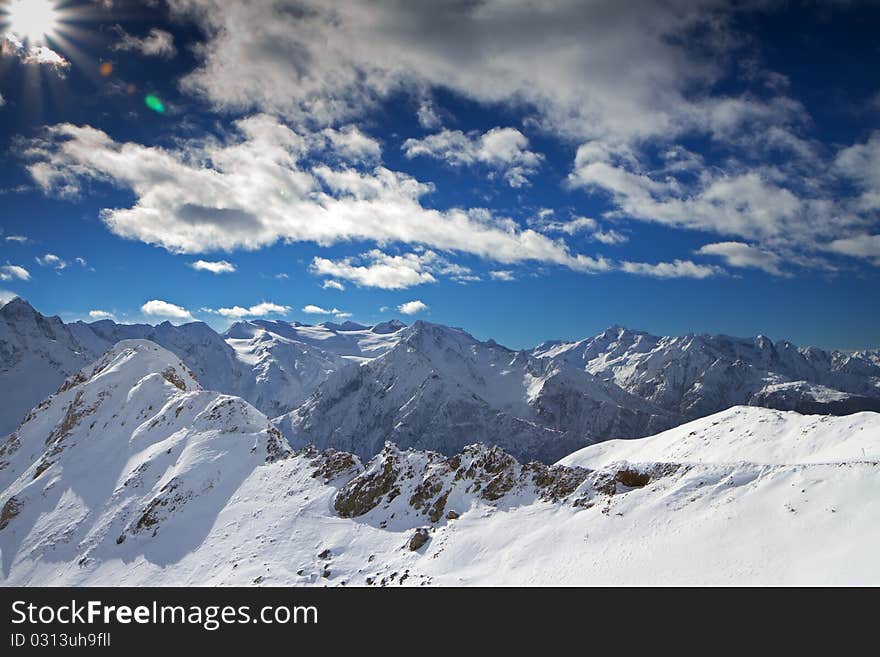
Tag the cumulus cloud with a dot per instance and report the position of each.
(428, 116)
(675, 269)
(502, 275)
(350, 144)
(14, 272)
(215, 267)
(157, 43)
(379, 270)
(859, 246)
(861, 163)
(328, 61)
(333, 285)
(159, 308)
(51, 260)
(580, 225)
(312, 309)
(257, 188)
(39, 55)
(502, 150)
(412, 307)
(739, 254)
(258, 310)
(19, 239)
(757, 205)
(101, 314)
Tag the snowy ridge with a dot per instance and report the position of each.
(128, 449)
(354, 387)
(441, 389)
(696, 375)
(133, 474)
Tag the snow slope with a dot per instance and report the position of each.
(132, 474)
(130, 449)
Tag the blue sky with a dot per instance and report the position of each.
(526, 174)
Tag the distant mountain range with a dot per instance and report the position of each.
(427, 386)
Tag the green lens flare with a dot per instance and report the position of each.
(154, 104)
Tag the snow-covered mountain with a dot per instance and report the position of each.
(273, 365)
(695, 375)
(353, 387)
(36, 354)
(439, 388)
(132, 474)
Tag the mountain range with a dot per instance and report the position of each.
(426, 386)
(132, 473)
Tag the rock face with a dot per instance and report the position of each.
(413, 487)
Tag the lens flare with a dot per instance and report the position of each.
(154, 104)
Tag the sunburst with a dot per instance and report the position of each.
(32, 21)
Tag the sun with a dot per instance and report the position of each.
(32, 20)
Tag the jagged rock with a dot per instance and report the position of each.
(419, 538)
(11, 509)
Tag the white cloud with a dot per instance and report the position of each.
(215, 267)
(752, 204)
(859, 246)
(282, 276)
(381, 270)
(157, 43)
(352, 145)
(259, 310)
(676, 269)
(2, 100)
(159, 308)
(412, 307)
(739, 254)
(578, 225)
(101, 314)
(6, 296)
(326, 62)
(571, 227)
(428, 116)
(14, 272)
(861, 163)
(312, 309)
(502, 275)
(81, 262)
(51, 260)
(20, 239)
(503, 150)
(333, 285)
(39, 55)
(254, 189)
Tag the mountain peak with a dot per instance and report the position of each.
(17, 306)
(344, 326)
(385, 328)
